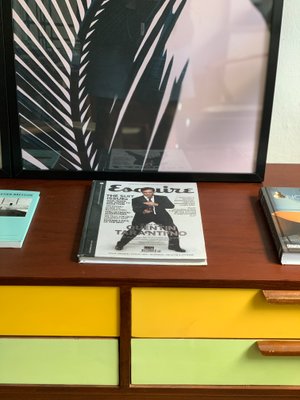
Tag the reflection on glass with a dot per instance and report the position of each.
(0, 153)
(142, 85)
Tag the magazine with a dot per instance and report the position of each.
(143, 223)
(281, 206)
(17, 208)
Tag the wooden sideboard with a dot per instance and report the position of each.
(114, 303)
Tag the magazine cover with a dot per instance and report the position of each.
(142, 222)
(282, 208)
(17, 208)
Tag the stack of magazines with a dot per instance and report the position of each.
(143, 223)
(281, 206)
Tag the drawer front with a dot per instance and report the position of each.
(59, 311)
(209, 362)
(215, 313)
(59, 361)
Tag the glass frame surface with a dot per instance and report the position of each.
(5, 153)
(47, 164)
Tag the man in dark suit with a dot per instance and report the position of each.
(151, 208)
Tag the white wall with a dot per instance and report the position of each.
(284, 142)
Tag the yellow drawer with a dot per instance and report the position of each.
(59, 311)
(211, 313)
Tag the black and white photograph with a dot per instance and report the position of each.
(100, 78)
(14, 206)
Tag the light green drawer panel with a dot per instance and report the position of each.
(59, 361)
(209, 362)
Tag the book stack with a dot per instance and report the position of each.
(281, 206)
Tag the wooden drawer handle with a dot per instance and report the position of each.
(279, 347)
(282, 296)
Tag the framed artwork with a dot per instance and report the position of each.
(153, 89)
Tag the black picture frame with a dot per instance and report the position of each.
(5, 160)
(15, 101)
(5, 149)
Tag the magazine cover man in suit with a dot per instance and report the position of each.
(151, 208)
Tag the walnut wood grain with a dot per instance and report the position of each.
(125, 338)
(279, 347)
(240, 249)
(282, 296)
(148, 393)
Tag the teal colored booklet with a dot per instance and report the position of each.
(17, 208)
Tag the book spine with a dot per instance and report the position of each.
(92, 220)
(272, 222)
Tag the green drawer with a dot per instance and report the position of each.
(59, 361)
(209, 362)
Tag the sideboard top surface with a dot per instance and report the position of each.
(239, 246)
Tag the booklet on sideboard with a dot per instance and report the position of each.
(281, 206)
(143, 223)
(17, 208)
